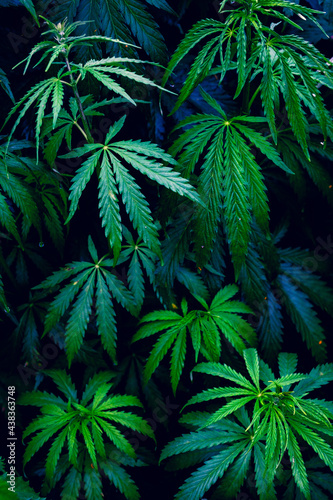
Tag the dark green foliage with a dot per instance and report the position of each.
(107, 238)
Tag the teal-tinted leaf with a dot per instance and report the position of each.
(79, 318)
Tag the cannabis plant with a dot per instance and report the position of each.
(155, 217)
(263, 418)
(83, 426)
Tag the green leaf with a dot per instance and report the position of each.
(98, 440)
(89, 443)
(236, 204)
(119, 291)
(79, 318)
(224, 371)
(37, 441)
(195, 35)
(28, 4)
(164, 176)
(265, 488)
(116, 437)
(287, 363)
(252, 364)
(7, 219)
(57, 100)
(94, 382)
(263, 145)
(269, 92)
(136, 280)
(321, 375)
(136, 205)
(80, 180)
(106, 318)
(144, 29)
(235, 476)
(54, 454)
(121, 479)
(207, 216)
(100, 394)
(73, 444)
(178, 358)
(304, 317)
(4, 83)
(109, 207)
(206, 476)
(92, 482)
(199, 70)
(241, 56)
(72, 484)
(64, 383)
(92, 249)
(159, 351)
(321, 447)
(206, 438)
(295, 112)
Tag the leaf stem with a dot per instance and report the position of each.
(81, 130)
(253, 97)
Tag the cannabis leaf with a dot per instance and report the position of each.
(231, 182)
(14, 188)
(89, 282)
(204, 328)
(280, 418)
(93, 419)
(4, 83)
(115, 179)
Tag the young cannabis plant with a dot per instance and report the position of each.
(204, 327)
(109, 159)
(267, 420)
(57, 52)
(90, 282)
(82, 427)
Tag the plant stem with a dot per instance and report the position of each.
(78, 100)
(246, 95)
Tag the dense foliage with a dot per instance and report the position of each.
(166, 240)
